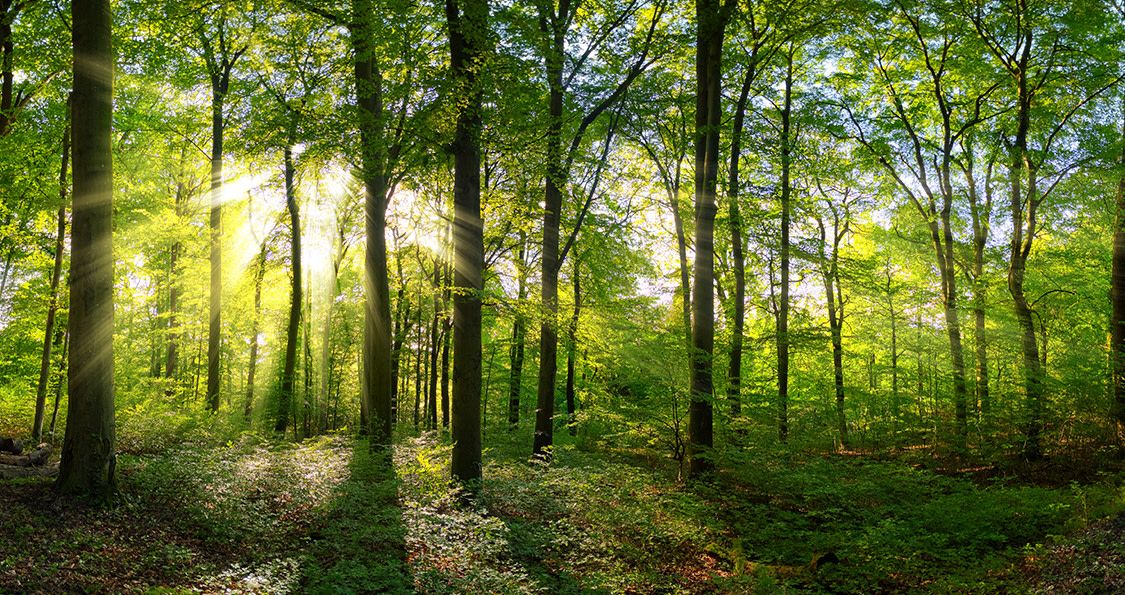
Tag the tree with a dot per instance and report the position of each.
(468, 37)
(711, 20)
(89, 448)
(220, 52)
(1042, 56)
(53, 306)
(289, 372)
(555, 23)
(931, 108)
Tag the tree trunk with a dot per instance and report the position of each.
(288, 375)
(64, 355)
(1117, 297)
(446, 338)
(835, 321)
(219, 67)
(1023, 234)
(468, 34)
(377, 317)
(435, 351)
(783, 305)
(53, 303)
(738, 259)
(515, 378)
(549, 270)
(88, 454)
(711, 24)
(572, 348)
(259, 275)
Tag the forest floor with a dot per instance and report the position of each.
(325, 516)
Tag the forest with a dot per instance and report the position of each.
(560, 296)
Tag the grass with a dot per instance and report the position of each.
(327, 516)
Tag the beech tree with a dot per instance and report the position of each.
(711, 18)
(89, 448)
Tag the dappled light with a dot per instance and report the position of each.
(633, 297)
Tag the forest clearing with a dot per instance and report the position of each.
(560, 296)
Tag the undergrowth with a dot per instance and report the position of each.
(252, 515)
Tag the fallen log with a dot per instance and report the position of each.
(8, 472)
(36, 458)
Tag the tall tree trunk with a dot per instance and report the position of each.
(738, 259)
(377, 317)
(783, 304)
(220, 61)
(831, 274)
(88, 453)
(572, 348)
(549, 258)
(326, 336)
(1024, 226)
(981, 226)
(289, 372)
(53, 304)
(515, 378)
(418, 351)
(64, 355)
(308, 401)
(711, 21)
(468, 35)
(259, 275)
(446, 337)
(435, 352)
(1117, 297)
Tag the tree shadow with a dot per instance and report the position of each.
(359, 545)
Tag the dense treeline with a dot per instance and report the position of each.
(853, 224)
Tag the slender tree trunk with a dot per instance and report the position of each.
(783, 305)
(572, 348)
(435, 351)
(549, 270)
(711, 23)
(515, 378)
(418, 351)
(89, 449)
(220, 62)
(835, 323)
(446, 337)
(738, 259)
(377, 317)
(53, 303)
(1117, 297)
(308, 401)
(64, 355)
(259, 276)
(326, 337)
(981, 226)
(288, 375)
(1024, 228)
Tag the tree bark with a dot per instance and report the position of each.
(88, 454)
(289, 372)
(515, 378)
(1117, 297)
(53, 299)
(252, 365)
(220, 63)
(783, 301)
(711, 21)
(377, 316)
(468, 36)
(571, 352)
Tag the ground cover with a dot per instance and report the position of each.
(326, 516)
